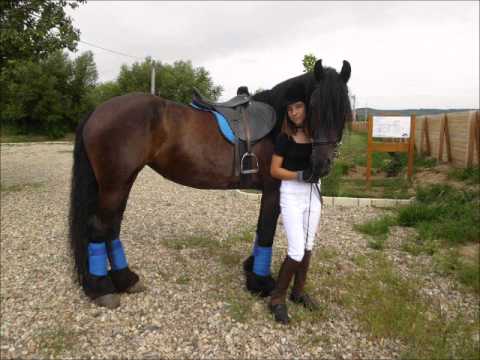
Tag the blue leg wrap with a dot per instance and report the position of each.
(117, 257)
(262, 261)
(97, 259)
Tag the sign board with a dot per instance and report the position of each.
(391, 127)
(397, 127)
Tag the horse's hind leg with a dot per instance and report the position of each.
(105, 231)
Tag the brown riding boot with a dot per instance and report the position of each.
(277, 304)
(298, 295)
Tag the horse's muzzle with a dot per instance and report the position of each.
(322, 168)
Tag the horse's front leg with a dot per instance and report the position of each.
(257, 266)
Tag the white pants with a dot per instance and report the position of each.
(301, 208)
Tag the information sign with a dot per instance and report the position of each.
(392, 128)
(397, 127)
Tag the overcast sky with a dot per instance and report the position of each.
(403, 54)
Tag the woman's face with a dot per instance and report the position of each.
(296, 113)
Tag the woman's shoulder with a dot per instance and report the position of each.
(282, 144)
(283, 138)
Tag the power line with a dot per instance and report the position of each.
(109, 50)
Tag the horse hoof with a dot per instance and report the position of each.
(110, 301)
(136, 288)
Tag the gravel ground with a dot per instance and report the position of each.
(195, 304)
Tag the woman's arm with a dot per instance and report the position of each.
(280, 173)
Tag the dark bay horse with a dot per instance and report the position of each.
(184, 145)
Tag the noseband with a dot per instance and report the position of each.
(336, 145)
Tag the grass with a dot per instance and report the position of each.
(388, 306)
(183, 279)
(470, 175)
(20, 187)
(444, 217)
(444, 213)
(378, 230)
(53, 342)
(190, 242)
(449, 262)
(9, 134)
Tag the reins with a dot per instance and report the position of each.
(309, 206)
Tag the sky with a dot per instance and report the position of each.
(402, 54)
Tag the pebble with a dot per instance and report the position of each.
(45, 313)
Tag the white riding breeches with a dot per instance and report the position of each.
(300, 208)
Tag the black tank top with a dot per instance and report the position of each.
(296, 156)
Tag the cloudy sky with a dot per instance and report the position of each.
(403, 54)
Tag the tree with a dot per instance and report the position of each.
(174, 82)
(81, 85)
(137, 77)
(104, 91)
(309, 61)
(49, 96)
(33, 29)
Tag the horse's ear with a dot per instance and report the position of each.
(318, 70)
(346, 71)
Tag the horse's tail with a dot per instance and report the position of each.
(83, 202)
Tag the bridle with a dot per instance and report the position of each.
(323, 142)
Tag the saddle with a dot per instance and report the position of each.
(248, 120)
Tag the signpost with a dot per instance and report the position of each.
(399, 128)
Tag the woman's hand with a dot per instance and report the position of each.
(308, 176)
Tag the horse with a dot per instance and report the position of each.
(183, 144)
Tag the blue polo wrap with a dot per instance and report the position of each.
(118, 260)
(97, 259)
(262, 260)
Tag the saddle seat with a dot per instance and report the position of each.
(201, 100)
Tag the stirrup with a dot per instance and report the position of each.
(245, 156)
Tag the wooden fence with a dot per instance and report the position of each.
(451, 137)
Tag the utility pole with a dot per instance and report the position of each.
(152, 79)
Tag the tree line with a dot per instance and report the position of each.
(51, 95)
(44, 90)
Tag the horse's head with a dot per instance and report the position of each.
(329, 109)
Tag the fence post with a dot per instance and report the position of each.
(369, 149)
(411, 146)
(425, 136)
(475, 141)
(444, 134)
(472, 131)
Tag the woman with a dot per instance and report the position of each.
(299, 201)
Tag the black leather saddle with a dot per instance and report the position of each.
(260, 117)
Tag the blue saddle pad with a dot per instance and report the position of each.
(222, 123)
